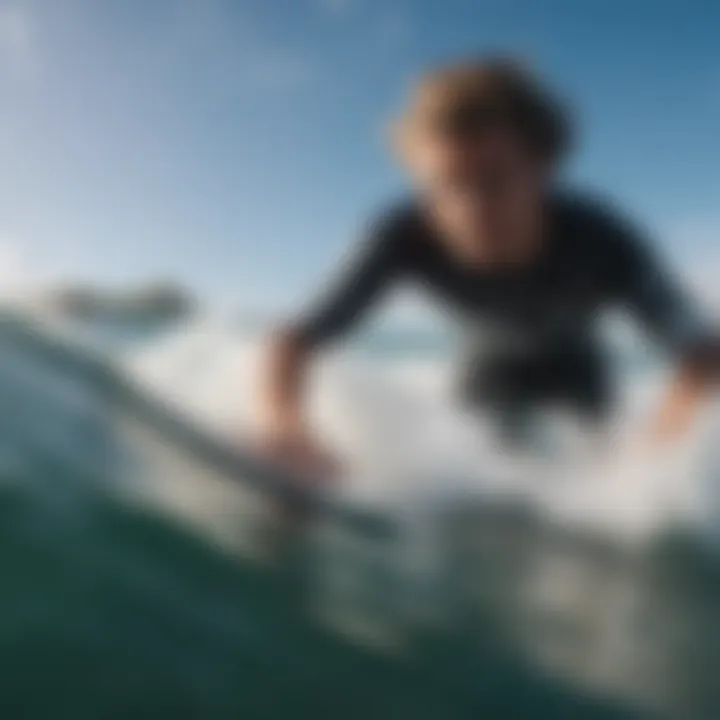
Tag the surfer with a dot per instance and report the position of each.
(524, 265)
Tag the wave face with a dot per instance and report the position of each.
(516, 586)
(387, 408)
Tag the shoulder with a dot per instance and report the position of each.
(598, 227)
(395, 221)
(594, 215)
(392, 233)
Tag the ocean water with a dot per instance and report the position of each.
(386, 406)
(146, 574)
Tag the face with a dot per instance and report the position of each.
(486, 193)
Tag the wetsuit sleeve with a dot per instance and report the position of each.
(364, 274)
(655, 298)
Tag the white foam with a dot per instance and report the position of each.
(394, 425)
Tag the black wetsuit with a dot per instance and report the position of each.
(529, 335)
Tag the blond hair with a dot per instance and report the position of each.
(468, 98)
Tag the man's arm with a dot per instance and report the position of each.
(356, 287)
(697, 377)
(282, 385)
(666, 311)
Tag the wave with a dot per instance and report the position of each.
(391, 418)
(436, 532)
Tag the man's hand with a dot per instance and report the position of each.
(283, 434)
(697, 379)
(293, 447)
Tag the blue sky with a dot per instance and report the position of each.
(237, 144)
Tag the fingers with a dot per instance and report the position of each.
(302, 458)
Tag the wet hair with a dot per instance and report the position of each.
(467, 99)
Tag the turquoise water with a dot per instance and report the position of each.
(108, 613)
(110, 610)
